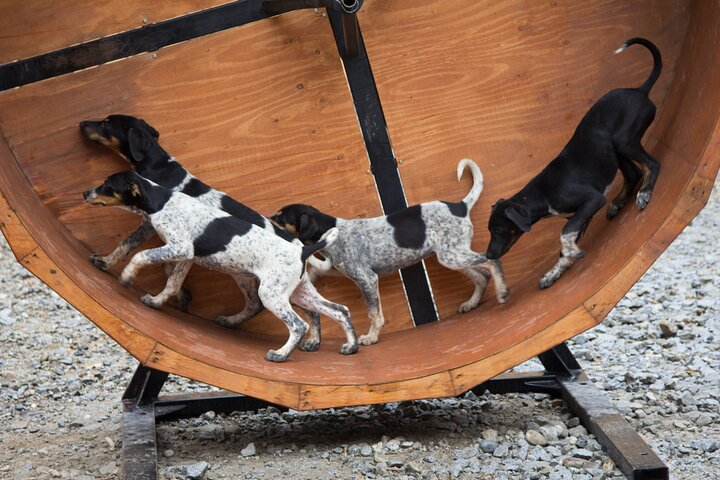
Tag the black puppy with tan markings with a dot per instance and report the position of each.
(194, 232)
(373, 247)
(574, 184)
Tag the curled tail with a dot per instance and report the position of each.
(657, 59)
(477, 175)
(325, 241)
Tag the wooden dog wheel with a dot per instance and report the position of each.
(263, 112)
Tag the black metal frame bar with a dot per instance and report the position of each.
(563, 378)
(382, 157)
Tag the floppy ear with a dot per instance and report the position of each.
(138, 144)
(150, 129)
(520, 216)
(308, 227)
(496, 204)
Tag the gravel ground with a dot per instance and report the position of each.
(61, 379)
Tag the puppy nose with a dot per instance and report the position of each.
(83, 124)
(86, 194)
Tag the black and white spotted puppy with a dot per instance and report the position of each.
(136, 141)
(193, 232)
(370, 248)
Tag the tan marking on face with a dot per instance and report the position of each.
(290, 228)
(104, 200)
(135, 190)
(275, 223)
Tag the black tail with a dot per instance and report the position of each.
(657, 59)
(325, 241)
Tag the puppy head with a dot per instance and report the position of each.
(508, 221)
(113, 132)
(303, 221)
(123, 189)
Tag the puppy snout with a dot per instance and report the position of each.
(88, 194)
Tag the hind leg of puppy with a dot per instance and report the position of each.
(312, 340)
(130, 243)
(460, 260)
(307, 297)
(636, 151)
(249, 287)
(277, 302)
(172, 287)
(631, 178)
(570, 252)
(183, 297)
(480, 279)
(367, 281)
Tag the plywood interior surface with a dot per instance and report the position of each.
(29, 28)
(504, 83)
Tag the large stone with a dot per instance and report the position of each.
(534, 437)
(249, 450)
(197, 470)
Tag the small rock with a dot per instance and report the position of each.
(196, 470)
(395, 463)
(534, 437)
(209, 415)
(249, 451)
(393, 445)
(466, 453)
(366, 450)
(582, 453)
(108, 468)
(488, 446)
(110, 443)
(667, 329)
(168, 453)
(572, 462)
(490, 434)
(501, 451)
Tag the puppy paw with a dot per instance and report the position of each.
(643, 198)
(467, 306)
(310, 345)
(184, 298)
(225, 322)
(612, 211)
(125, 281)
(367, 340)
(273, 356)
(349, 348)
(99, 261)
(547, 280)
(502, 297)
(150, 301)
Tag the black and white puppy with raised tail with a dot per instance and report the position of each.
(136, 141)
(370, 248)
(195, 232)
(575, 183)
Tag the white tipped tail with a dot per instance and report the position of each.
(621, 49)
(477, 175)
(330, 236)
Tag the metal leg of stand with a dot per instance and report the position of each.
(564, 378)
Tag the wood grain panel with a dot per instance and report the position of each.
(506, 83)
(32, 27)
(267, 139)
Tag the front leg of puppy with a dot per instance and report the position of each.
(369, 286)
(273, 296)
(570, 252)
(498, 275)
(166, 253)
(130, 243)
(312, 341)
(172, 287)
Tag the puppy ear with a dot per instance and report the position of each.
(520, 216)
(150, 129)
(137, 144)
(308, 227)
(497, 204)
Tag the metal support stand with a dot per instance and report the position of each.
(563, 378)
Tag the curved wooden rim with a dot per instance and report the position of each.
(30, 247)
